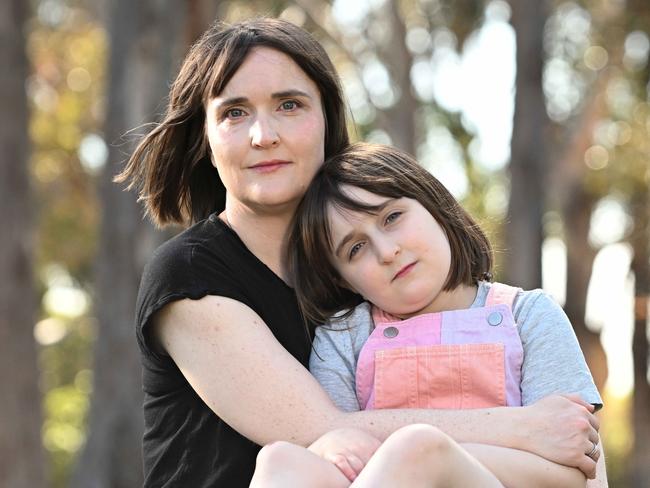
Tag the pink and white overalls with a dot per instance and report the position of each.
(456, 359)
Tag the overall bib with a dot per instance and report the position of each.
(455, 359)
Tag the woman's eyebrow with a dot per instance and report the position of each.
(231, 101)
(276, 95)
(291, 93)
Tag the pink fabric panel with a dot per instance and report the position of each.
(422, 329)
(440, 376)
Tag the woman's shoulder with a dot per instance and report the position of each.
(195, 262)
(186, 252)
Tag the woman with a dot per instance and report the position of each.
(254, 111)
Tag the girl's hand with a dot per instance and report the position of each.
(563, 429)
(348, 449)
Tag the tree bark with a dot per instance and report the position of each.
(528, 166)
(142, 36)
(399, 120)
(21, 451)
(640, 468)
(580, 260)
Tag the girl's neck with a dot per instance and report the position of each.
(459, 298)
(264, 234)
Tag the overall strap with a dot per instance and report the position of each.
(501, 294)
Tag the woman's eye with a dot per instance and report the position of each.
(392, 217)
(234, 113)
(290, 105)
(355, 249)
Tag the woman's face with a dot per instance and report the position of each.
(266, 131)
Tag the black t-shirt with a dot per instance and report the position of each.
(185, 443)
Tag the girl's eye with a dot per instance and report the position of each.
(355, 249)
(392, 217)
(290, 105)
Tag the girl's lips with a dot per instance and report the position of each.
(404, 271)
(269, 166)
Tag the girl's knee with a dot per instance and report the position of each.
(423, 437)
(421, 445)
(276, 453)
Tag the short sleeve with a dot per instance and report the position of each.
(332, 364)
(183, 267)
(335, 351)
(553, 361)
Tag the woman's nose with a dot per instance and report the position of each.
(263, 133)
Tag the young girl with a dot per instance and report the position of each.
(423, 326)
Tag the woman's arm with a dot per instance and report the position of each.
(516, 468)
(243, 374)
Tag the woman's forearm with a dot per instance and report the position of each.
(266, 395)
(516, 468)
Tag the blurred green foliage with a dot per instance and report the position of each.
(68, 51)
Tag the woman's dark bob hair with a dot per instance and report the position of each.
(171, 167)
(385, 171)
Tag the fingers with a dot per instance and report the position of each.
(588, 467)
(356, 464)
(588, 462)
(349, 465)
(594, 421)
(593, 436)
(593, 451)
(578, 399)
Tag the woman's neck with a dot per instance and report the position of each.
(265, 235)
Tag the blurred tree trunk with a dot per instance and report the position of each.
(576, 203)
(580, 260)
(640, 467)
(21, 451)
(399, 120)
(528, 165)
(142, 39)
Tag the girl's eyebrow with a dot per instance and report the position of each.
(348, 237)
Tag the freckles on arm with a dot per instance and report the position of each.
(233, 362)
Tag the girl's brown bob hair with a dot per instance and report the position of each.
(171, 166)
(385, 171)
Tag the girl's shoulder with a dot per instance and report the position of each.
(353, 326)
(354, 318)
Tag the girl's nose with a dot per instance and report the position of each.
(263, 134)
(387, 250)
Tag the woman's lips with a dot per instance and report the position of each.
(269, 166)
(404, 271)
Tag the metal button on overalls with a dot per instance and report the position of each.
(391, 332)
(495, 318)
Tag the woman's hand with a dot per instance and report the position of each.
(348, 449)
(562, 429)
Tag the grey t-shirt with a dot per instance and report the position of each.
(553, 361)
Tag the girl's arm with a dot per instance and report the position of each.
(245, 376)
(516, 468)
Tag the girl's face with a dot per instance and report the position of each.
(266, 131)
(398, 259)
